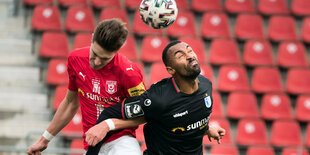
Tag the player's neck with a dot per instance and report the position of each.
(187, 86)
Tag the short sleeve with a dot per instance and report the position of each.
(72, 76)
(133, 81)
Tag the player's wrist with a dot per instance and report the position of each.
(47, 136)
(110, 124)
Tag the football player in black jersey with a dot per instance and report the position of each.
(176, 109)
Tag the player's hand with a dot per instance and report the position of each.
(38, 147)
(216, 132)
(96, 133)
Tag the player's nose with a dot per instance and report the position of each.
(97, 61)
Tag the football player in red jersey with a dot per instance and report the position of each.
(99, 77)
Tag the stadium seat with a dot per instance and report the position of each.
(276, 106)
(77, 144)
(141, 28)
(301, 7)
(259, 150)
(215, 25)
(298, 81)
(57, 72)
(38, 2)
(152, 48)
(80, 19)
(156, 68)
(60, 94)
(294, 151)
(182, 4)
(129, 48)
(292, 54)
(239, 6)
(67, 3)
(282, 28)
(232, 78)
(206, 5)
(266, 84)
(280, 136)
(82, 40)
(139, 133)
(249, 26)
(54, 44)
(46, 18)
(225, 125)
(305, 30)
(206, 70)
(257, 53)
(224, 150)
(303, 108)
(132, 4)
(242, 105)
(307, 134)
(251, 132)
(106, 3)
(197, 45)
(224, 51)
(272, 7)
(184, 25)
(75, 127)
(217, 110)
(108, 13)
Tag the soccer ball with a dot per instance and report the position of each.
(158, 14)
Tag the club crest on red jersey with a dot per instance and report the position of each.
(111, 87)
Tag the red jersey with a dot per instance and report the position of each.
(99, 89)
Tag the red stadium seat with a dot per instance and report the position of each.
(282, 28)
(207, 71)
(46, 18)
(307, 140)
(301, 7)
(197, 45)
(239, 6)
(224, 51)
(54, 44)
(257, 53)
(292, 54)
(215, 25)
(265, 84)
(303, 108)
(298, 81)
(156, 68)
(139, 133)
(60, 94)
(80, 19)
(184, 25)
(67, 3)
(294, 151)
(152, 48)
(285, 133)
(77, 144)
(182, 4)
(224, 150)
(233, 78)
(259, 150)
(272, 7)
(108, 13)
(305, 30)
(57, 72)
(75, 127)
(129, 48)
(206, 5)
(132, 4)
(217, 110)
(141, 28)
(242, 105)
(276, 106)
(38, 2)
(225, 125)
(106, 3)
(249, 26)
(251, 132)
(82, 40)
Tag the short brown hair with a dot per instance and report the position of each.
(110, 34)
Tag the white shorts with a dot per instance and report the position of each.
(125, 145)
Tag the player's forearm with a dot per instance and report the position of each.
(123, 124)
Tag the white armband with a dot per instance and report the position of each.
(47, 135)
(110, 124)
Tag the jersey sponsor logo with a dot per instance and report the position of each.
(137, 90)
(199, 124)
(208, 101)
(180, 114)
(111, 87)
(81, 91)
(178, 129)
(96, 85)
(133, 110)
(147, 102)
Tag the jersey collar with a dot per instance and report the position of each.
(175, 85)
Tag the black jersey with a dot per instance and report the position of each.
(176, 122)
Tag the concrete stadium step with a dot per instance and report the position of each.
(17, 59)
(33, 87)
(18, 75)
(21, 46)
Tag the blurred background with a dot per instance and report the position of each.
(256, 52)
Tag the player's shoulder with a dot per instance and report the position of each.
(162, 85)
(80, 52)
(126, 66)
(204, 80)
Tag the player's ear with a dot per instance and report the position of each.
(170, 70)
